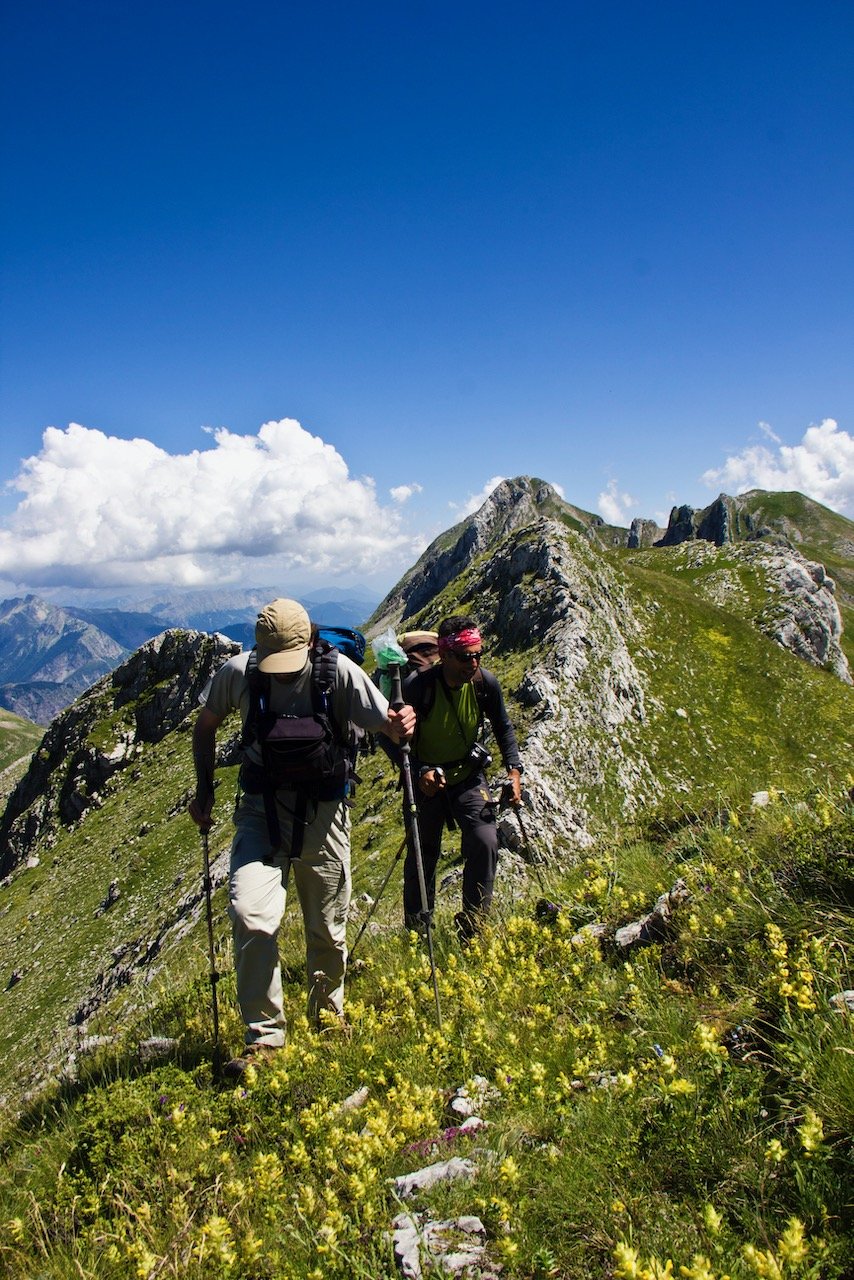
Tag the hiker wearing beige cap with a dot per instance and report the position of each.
(297, 699)
(421, 648)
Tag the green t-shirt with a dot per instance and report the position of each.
(449, 731)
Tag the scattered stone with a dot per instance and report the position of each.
(455, 1247)
(157, 1049)
(681, 713)
(112, 896)
(91, 1044)
(360, 906)
(472, 1124)
(423, 1179)
(760, 800)
(843, 1002)
(654, 926)
(470, 1099)
(355, 1100)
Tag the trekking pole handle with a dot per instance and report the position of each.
(396, 699)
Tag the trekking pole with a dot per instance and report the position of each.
(376, 901)
(413, 834)
(214, 975)
(533, 856)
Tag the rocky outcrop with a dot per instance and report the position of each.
(644, 533)
(97, 737)
(803, 615)
(547, 594)
(724, 520)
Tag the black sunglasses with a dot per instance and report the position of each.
(467, 657)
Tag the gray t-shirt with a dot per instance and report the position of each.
(354, 698)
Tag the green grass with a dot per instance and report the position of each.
(692, 1101)
(18, 740)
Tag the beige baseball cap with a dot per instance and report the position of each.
(411, 639)
(282, 635)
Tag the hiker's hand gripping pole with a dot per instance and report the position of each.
(413, 833)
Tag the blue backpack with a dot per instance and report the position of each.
(345, 640)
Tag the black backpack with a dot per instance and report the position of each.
(312, 755)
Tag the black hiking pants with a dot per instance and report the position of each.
(470, 806)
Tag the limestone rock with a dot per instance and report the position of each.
(423, 1179)
(453, 1247)
(654, 926)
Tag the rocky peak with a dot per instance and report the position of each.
(511, 505)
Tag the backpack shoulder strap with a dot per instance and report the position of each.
(419, 690)
(324, 666)
(259, 698)
(481, 691)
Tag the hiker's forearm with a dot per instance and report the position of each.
(204, 758)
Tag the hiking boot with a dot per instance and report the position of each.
(465, 926)
(253, 1055)
(418, 923)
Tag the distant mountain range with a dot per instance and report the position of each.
(50, 653)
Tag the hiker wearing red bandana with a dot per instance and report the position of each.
(451, 700)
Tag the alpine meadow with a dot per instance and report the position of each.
(642, 1067)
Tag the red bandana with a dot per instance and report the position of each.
(463, 639)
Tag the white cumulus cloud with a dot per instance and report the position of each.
(403, 492)
(98, 510)
(821, 467)
(616, 507)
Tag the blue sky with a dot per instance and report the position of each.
(608, 246)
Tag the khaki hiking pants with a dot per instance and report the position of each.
(258, 884)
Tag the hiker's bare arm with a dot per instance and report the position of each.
(204, 756)
(400, 724)
(514, 779)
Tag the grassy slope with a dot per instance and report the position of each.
(757, 716)
(695, 1103)
(18, 740)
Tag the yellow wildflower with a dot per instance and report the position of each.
(627, 1261)
(712, 1219)
(792, 1246)
(700, 1269)
(811, 1132)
